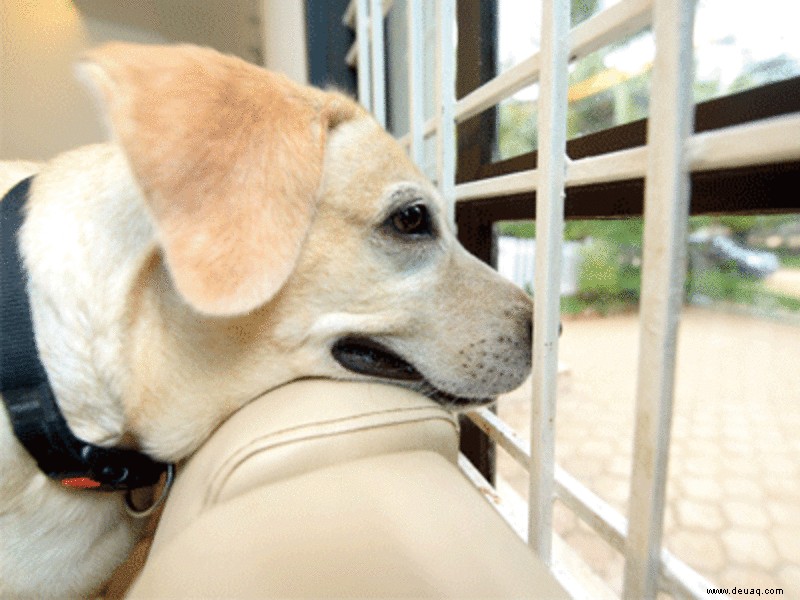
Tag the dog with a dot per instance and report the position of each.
(240, 231)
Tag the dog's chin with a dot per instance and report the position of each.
(366, 356)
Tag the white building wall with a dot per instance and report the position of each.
(516, 258)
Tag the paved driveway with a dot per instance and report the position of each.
(785, 281)
(734, 482)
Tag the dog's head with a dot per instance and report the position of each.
(294, 238)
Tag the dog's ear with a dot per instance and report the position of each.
(229, 159)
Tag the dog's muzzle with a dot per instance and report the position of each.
(366, 356)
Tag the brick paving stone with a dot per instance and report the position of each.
(784, 513)
(742, 466)
(781, 465)
(789, 577)
(701, 550)
(779, 486)
(701, 488)
(737, 447)
(620, 465)
(705, 447)
(699, 515)
(746, 514)
(702, 466)
(613, 489)
(750, 547)
(597, 553)
(599, 449)
(579, 467)
(565, 521)
(743, 487)
(705, 432)
(738, 432)
(788, 542)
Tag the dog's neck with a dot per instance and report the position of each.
(190, 372)
(124, 353)
(81, 241)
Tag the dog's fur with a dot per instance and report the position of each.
(238, 226)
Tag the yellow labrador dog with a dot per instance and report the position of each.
(240, 232)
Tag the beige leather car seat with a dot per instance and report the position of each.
(330, 489)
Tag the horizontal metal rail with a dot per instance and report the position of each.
(768, 141)
(760, 142)
(606, 521)
(604, 168)
(513, 183)
(611, 25)
(620, 20)
(501, 87)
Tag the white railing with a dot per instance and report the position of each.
(665, 162)
(666, 212)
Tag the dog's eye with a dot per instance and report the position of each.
(412, 220)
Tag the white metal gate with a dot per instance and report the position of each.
(672, 152)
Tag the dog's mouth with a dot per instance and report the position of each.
(367, 356)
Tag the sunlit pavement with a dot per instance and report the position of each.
(733, 509)
(784, 281)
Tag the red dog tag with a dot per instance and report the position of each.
(80, 482)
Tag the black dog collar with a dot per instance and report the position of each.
(37, 421)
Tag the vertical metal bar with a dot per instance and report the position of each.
(362, 39)
(666, 212)
(549, 237)
(416, 73)
(376, 45)
(446, 100)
